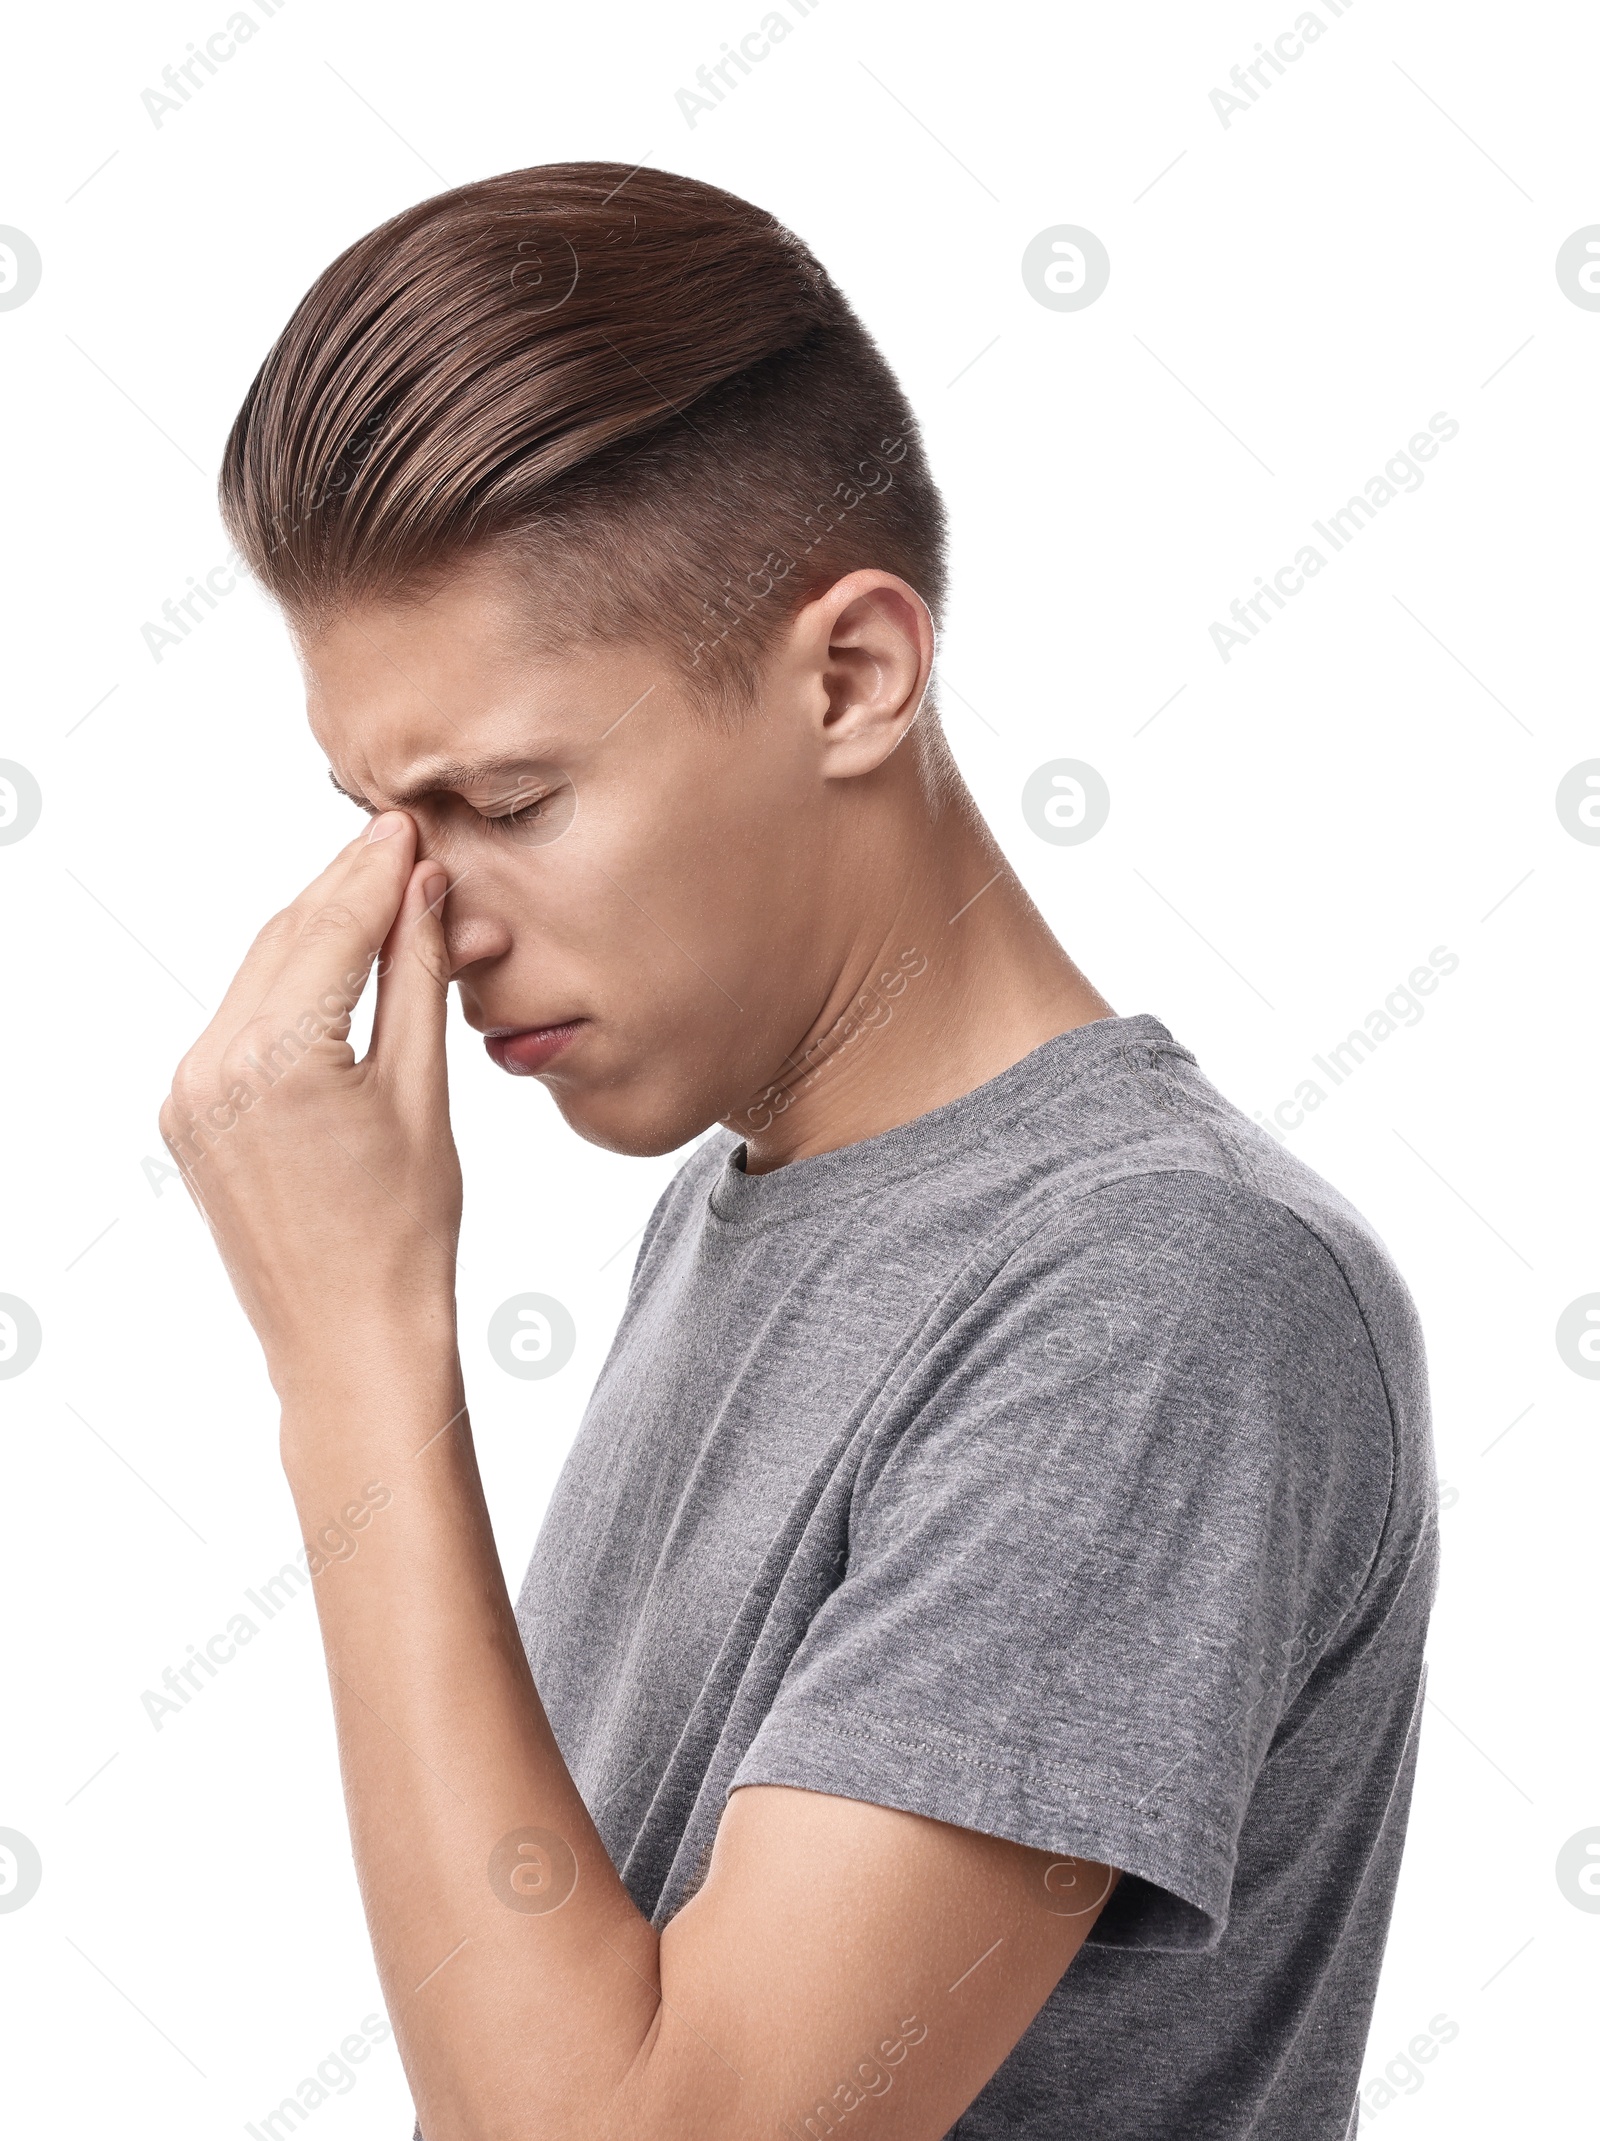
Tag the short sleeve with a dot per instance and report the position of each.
(1105, 1523)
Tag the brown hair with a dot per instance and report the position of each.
(644, 390)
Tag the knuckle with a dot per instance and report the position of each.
(283, 924)
(188, 1086)
(262, 1039)
(428, 949)
(234, 1069)
(333, 918)
(271, 1043)
(177, 1124)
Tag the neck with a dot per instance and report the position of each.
(948, 974)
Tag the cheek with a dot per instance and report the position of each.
(550, 922)
(666, 890)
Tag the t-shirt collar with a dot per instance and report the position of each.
(1087, 1051)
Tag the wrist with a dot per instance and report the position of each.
(350, 1345)
(385, 1388)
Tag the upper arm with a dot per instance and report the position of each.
(1121, 1505)
(844, 1959)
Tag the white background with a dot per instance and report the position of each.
(1291, 298)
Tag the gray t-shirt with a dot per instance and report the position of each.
(1057, 1465)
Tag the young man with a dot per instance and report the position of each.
(967, 1681)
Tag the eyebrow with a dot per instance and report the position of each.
(446, 775)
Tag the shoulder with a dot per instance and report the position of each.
(1176, 1339)
(1163, 1186)
(1200, 1292)
(1167, 1391)
(1181, 1234)
(1206, 1308)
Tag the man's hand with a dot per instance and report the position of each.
(331, 1185)
(841, 1960)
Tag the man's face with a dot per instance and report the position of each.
(645, 910)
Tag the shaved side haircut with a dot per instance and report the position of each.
(643, 391)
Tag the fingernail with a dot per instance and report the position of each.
(390, 821)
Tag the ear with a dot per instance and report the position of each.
(869, 645)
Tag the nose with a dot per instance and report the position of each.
(471, 933)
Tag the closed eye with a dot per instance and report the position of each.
(510, 821)
(550, 808)
(359, 801)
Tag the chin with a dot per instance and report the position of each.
(632, 1119)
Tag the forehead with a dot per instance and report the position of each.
(418, 693)
(414, 664)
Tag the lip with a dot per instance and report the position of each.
(525, 1050)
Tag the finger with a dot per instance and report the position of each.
(274, 942)
(414, 986)
(342, 921)
(273, 949)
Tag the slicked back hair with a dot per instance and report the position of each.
(644, 392)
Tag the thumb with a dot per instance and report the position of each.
(413, 986)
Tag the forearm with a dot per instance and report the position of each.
(529, 1996)
(519, 2007)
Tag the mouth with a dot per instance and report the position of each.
(525, 1050)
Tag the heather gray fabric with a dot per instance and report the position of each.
(1057, 1465)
